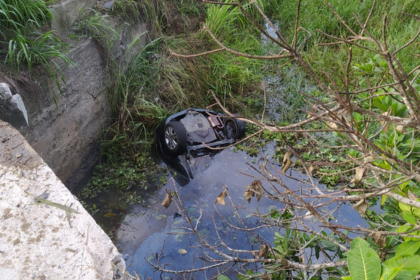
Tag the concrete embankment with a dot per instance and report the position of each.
(45, 231)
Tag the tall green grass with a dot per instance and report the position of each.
(17, 14)
(315, 15)
(22, 42)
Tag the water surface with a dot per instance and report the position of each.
(155, 232)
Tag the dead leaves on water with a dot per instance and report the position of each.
(262, 253)
(311, 170)
(221, 199)
(361, 207)
(182, 251)
(254, 189)
(287, 162)
(167, 201)
(360, 172)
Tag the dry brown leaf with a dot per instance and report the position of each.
(255, 189)
(378, 238)
(311, 170)
(368, 159)
(361, 207)
(385, 123)
(248, 194)
(221, 198)
(400, 128)
(312, 112)
(263, 251)
(266, 276)
(258, 190)
(331, 125)
(287, 162)
(167, 201)
(360, 172)
(339, 118)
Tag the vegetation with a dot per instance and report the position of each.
(356, 81)
(23, 42)
(362, 128)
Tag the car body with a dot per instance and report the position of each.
(193, 131)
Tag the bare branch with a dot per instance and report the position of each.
(413, 39)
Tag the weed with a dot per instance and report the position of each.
(97, 26)
(18, 20)
(127, 9)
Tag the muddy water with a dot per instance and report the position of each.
(150, 232)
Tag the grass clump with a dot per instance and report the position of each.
(22, 42)
(98, 26)
(126, 8)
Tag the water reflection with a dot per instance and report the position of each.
(157, 233)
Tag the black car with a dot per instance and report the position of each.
(192, 131)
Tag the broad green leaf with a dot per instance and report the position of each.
(404, 228)
(404, 207)
(383, 164)
(346, 278)
(409, 218)
(363, 261)
(403, 185)
(408, 248)
(401, 267)
(416, 211)
(222, 277)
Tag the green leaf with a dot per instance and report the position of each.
(401, 267)
(404, 228)
(383, 199)
(404, 207)
(408, 248)
(409, 218)
(346, 278)
(416, 211)
(403, 185)
(363, 261)
(222, 277)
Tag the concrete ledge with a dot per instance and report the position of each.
(45, 232)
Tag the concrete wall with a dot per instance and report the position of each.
(67, 12)
(66, 133)
(55, 238)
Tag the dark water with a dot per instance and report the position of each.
(154, 232)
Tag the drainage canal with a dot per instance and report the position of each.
(158, 235)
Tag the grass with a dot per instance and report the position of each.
(22, 41)
(97, 26)
(127, 168)
(17, 14)
(400, 27)
(127, 9)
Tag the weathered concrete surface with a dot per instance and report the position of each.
(38, 240)
(68, 11)
(66, 134)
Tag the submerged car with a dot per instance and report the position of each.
(193, 131)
